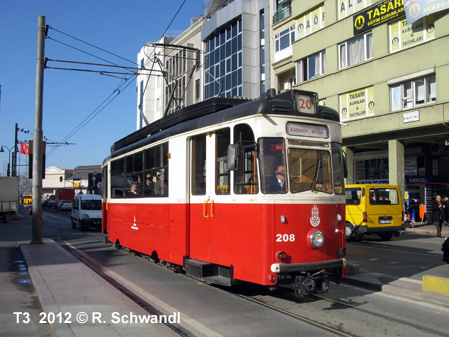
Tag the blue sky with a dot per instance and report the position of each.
(117, 26)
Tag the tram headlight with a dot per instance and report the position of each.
(316, 239)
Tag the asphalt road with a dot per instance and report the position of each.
(220, 311)
(409, 255)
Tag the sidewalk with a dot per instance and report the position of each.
(80, 299)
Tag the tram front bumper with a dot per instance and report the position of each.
(307, 267)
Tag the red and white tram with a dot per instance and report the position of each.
(234, 190)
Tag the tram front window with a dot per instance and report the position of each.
(309, 170)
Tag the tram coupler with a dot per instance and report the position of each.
(307, 285)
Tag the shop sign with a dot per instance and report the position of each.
(419, 180)
(310, 23)
(405, 35)
(412, 116)
(357, 104)
(416, 9)
(383, 12)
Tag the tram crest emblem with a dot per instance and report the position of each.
(315, 218)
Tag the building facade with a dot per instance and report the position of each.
(225, 54)
(55, 178)
(388, 80)
(83, 179)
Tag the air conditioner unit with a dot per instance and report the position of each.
(436, 149)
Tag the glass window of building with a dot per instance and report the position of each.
(412, 93)
(224, 62)
(356, 50)
(310, 67)
(372, 171)
(283, 43)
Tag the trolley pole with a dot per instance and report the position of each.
(36, 228)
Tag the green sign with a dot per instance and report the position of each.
(383, 12)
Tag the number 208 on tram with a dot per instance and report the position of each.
(232, 189)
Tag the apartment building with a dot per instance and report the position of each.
(387, 78)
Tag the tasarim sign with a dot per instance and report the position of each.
(357, 104)
(378, 14)
(416, 9)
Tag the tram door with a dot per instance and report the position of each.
(209, 187)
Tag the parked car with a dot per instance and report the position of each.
(64, 205)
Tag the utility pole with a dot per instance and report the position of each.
(36, 228)
(14, 158)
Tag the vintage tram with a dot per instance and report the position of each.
(233, 189)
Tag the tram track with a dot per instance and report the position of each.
(298, 317)
(335, 304)
(373, 313)
(268, 302)
(181, 331)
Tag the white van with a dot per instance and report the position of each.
(86, 211)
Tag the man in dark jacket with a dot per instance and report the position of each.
(276, 183)
(438, 208)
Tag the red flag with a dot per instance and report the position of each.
(24, 149)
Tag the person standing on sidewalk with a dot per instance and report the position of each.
(446, 211)
(438, 208)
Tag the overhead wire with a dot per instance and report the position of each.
(103, 105)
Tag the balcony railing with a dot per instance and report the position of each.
(282, 13)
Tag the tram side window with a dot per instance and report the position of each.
(117, 178)
(133, 181)
(142, 174)
(222, 139)
(245, 176)
(199, 165)
(274, 178)
(156, 170)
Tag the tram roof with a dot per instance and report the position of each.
(217, 110)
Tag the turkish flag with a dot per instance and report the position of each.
(24, 149)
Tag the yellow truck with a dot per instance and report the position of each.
(373, 209)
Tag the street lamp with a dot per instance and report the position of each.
(9, 155)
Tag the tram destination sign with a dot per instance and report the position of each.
(378, 14)
(307, 130)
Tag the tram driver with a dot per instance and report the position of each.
(276, 183)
